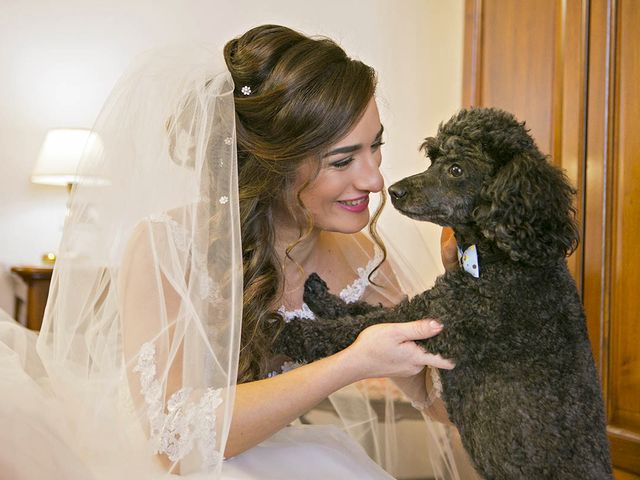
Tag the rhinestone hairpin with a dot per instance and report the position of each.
(246, 90)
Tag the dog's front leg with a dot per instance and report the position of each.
(325, 336)
(336, 326)
(433, 304)
(309, 340)
(324, 304)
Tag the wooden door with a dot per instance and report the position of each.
(571, 69)
(613, 155)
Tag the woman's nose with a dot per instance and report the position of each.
(369, 178)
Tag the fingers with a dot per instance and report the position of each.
(448, 249)
(437, 361)
(419, 329)
(389, 349)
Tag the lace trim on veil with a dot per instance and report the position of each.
(186, 423)
(181, 238)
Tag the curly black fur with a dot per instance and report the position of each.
(525, 393)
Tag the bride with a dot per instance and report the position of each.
(212, 193)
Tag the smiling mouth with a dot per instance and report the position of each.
(355, 205)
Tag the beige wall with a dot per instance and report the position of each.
(60, 59)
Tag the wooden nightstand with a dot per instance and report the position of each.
(31, 289)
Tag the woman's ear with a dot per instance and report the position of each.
(527, 210)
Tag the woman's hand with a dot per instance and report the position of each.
(449, 249)
(389, 350)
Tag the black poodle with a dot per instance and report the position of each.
(525, 394)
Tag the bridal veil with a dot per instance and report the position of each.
(139, 346)
(134, 370)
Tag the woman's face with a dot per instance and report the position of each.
(338, 197)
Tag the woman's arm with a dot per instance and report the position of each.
(265, 406)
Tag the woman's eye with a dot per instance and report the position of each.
(377, 145)
(455, 170)
(342, 163)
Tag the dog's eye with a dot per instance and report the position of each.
(455, 170)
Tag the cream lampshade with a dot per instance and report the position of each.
(60, 153)
(58, 160)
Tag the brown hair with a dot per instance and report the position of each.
(306, 94)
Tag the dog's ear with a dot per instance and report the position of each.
(527, 210)
(431, 148)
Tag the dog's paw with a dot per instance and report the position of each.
(320, 300)
(291, 340)
(315, 286)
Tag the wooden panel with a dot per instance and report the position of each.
(569, 108)
(625, 302)
(624, 339)
(472, 62)
(517, 69)
(597, 156)
(611, 214)
(622, 475)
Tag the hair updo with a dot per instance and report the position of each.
(304, 94)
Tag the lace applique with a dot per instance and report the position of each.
(286, 367)
(186, 423)
(303, 312)
(435, 380)
(183, 146)
(209, 289)
(179, 233)
(354, 292)
(159, 218)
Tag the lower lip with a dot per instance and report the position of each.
(361, 207)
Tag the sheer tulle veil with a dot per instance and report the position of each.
(138, 352)
(139, 346)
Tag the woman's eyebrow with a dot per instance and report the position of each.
(351, 148)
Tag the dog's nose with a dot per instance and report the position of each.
(397, 191)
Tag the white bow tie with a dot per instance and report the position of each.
(469, 260)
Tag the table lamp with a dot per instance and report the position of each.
(60, 153)
(58, 160)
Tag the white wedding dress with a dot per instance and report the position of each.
(312, 452)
